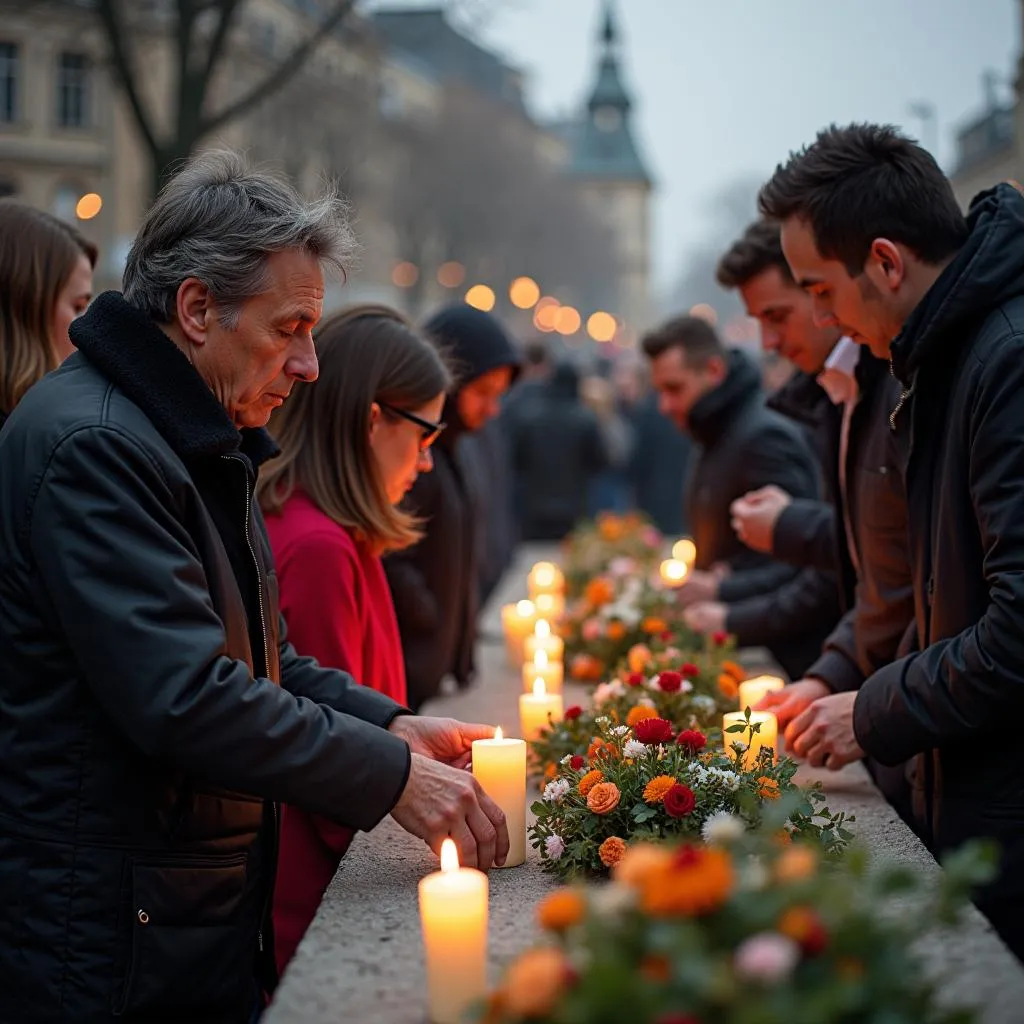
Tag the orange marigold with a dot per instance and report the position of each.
(639, 713)
(611, 527)
(655, 790)
(616, 631)
(697, 881)
(586, 668)
(589, 781)
(535, 981)
(728, 687)
(798, 861)
(768, 788)
(642, 860)
(551, 771)
(653, 625)
(611, 851)
(603, 798)
(562, 910)
(638, 658)
(599, 592)
(731, 668)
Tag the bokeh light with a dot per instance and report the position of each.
(481, 297)
(601, 326)
(524, 292)
(451, 274)
(88, 206)
(405, 274)
(567, 320)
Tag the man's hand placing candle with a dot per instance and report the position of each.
(755, 514)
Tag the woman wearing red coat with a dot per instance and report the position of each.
(351, 447)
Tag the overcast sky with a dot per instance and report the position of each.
(725, 88)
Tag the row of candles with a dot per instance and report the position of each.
(454, 901)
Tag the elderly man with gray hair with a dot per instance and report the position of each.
(152, 712)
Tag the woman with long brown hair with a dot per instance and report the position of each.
(351, 447)
(46, 270)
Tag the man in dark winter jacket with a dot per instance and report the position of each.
(871, 229)
(557, 450)
(435, 584)
(845, 394)
(715, 396)
(151, 710)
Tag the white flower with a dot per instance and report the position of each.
(703, 705)
(634, 748)
(646, 702)
(621, 566)
(686, 686)
(602, 720)
(722, 828)
(555, 790)
(613, 900)
(767, 957)
(730, 780)
(654, 683)
(699, 772)
(608, 691)
(620, 730)
(754, 876)
(566, 759)
(554, 846)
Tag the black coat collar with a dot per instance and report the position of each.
(131, 351)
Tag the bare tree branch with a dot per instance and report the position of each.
(283, 70)
(111, 20)
(228, 10)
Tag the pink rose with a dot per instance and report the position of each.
(767, 957)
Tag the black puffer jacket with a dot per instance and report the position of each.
(955, 704)
(557, 449)
(143, 728)
(435, 584)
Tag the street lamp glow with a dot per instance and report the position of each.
(481, 297)
(88, 206)
(567, 320)
(524, 293)
(601, 326)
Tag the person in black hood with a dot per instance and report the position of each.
(871, 228)
(556, 476)
(715, 396)
(435, 584)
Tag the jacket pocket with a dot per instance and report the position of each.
(188, 936)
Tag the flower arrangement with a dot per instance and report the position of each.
(644, 781)
(745, 930)
(629, 542)
(688, 689)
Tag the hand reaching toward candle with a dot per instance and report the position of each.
(443, 739)
(823, 734)
(706, 617)
(793, 700)
(441, 801)
(755, 514)
(699, 586)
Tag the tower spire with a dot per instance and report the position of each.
(609, 30)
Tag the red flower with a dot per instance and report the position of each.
(670, 682)
(719, 638)
(653, 730)
(679, 801)
(577, 762)
(666, 636)
(692, 740)
(574, 712)
(690, 670)
(635, 679)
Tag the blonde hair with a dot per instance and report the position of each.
(367, 354)
(38, 253)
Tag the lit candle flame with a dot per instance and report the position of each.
(685, 550)
(539, 689)
(545, 603)
(673, 571)
(543, 629)
(449, 856)
(544, 574)
(540, 660)
(497, 733)
(524, 609)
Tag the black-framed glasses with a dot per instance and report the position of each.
(431, 431)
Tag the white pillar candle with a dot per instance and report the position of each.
(766, 736)
(499, 765)
(517, 621)
(534, 709)
(550, 606)
(752, 691)
(542, 640)
(453, 915)
(543, 667)
(673, 572)
(545, 578)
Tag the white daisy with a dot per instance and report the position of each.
(722, 828)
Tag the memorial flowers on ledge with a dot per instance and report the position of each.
(744, 930)
(648, 782)
(690, 690)
(624, 545)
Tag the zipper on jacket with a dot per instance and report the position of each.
(905, 393)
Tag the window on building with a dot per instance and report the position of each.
(73, 79)
(8, 82)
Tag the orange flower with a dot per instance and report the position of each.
(535, 981)
(804, 927)
(611, 527)
(783, 837)
(730, 668)
(655, 790)
(599, 592)
(586, 668)
(639, 713)
(654, 626)
(656, 968)
(611, 851)
(616, 631)
(589, 781)
(728, 687)
(799, 861)
(551, 771)
(562, 910)
(638, 658)
(697, 881)
(642, 861)
(603, 798)
(768, 788)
